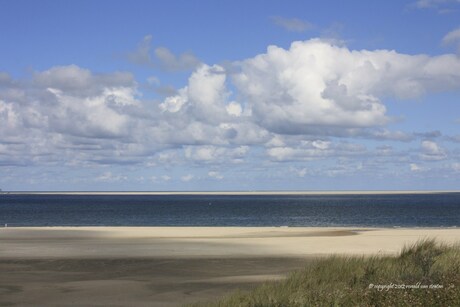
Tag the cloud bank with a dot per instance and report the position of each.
(289, 104)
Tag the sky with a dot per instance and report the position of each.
(229, 95)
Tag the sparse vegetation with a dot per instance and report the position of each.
(424, 274)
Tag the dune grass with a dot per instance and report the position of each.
(424, 274)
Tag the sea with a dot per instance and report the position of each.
(360, 210)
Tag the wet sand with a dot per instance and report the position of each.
(132, 281)
(169, 266)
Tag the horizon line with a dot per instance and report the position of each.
(230, 192)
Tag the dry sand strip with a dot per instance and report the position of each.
(199, 242)
(170, 266)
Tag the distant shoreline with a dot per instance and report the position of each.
(376, 192)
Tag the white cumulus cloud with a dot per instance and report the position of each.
(432, 151)
(452, 37)
(316, 83)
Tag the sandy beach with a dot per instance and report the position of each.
(169, 266)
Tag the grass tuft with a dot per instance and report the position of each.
(426, 273)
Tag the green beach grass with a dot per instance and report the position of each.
(424, 274)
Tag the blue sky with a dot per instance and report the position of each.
(229, 95)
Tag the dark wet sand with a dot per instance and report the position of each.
(133, 281)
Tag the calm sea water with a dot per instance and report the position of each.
(404, 210)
